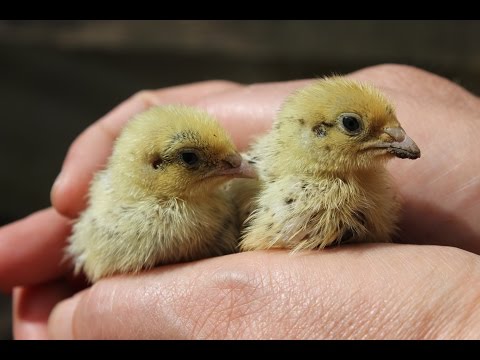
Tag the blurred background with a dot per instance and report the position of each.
(57, 77)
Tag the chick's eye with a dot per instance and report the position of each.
(190, 158)
(351, 124)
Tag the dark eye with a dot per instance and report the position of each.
(190, 158)
(351, 123)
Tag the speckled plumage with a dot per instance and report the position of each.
(320, 182)
(150, 207)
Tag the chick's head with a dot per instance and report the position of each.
(174, 151)
(336, 124)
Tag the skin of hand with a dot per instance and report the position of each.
(160, 199)
(322, 169)
(358, 291)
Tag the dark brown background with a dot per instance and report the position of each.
(56, 77)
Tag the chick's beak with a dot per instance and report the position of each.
(402, 145)
(234, 165)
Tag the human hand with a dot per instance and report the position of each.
(445, 197)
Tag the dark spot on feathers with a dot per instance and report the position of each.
(301, 121)
(289, 201)
(328, 148)
(304, 185)
(185, 135)
(269, 226)
(319, 130)
(252, 162)
(156, 162)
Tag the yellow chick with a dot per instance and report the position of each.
(160, 199)
(322, 169)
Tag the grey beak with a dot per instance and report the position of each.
(234, 165)
(403, 146)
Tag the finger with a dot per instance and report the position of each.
(90, 150)
(32, 307)
(60, 322)
(368, 291)
(31, 249)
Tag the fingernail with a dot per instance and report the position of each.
(60, 322)
(57, 185)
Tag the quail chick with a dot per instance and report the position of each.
(161, 197)
(322, 176)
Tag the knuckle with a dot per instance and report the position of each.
(147, 97)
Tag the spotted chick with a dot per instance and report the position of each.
(322, 176)
(161, 197)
